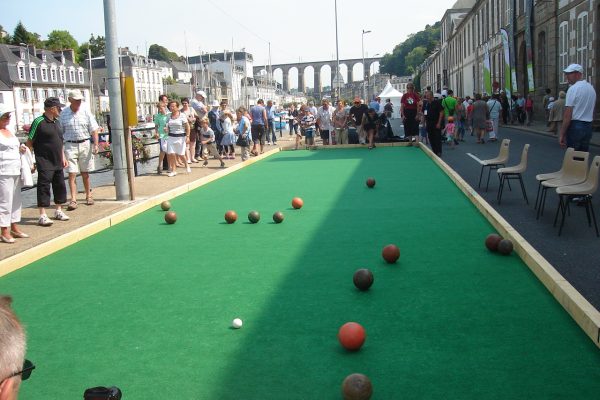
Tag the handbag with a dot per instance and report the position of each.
(242, 141)
(489, 125)
(102, 393)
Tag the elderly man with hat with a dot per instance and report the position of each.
(46, 141)
(78, 125)
(576, 130)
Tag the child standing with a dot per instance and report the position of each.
(228, 140)
(209, 147)
(449, 130)
(308, 123)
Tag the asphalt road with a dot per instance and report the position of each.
(576, 253)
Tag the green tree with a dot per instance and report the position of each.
(96, 45)
(59, 40)
(22, 35)
(397, 63)
(161, 53)
(414, 58)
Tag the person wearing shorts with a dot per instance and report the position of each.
(78, 126)
(208, 140)
(307, 123)
(259, 125)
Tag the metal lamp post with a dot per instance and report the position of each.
(30, 80)
(363, 58)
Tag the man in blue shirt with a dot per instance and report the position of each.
(270, 118)
(375, 104)
(259, 125)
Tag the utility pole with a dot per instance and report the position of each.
(337, 58)
(116, 110)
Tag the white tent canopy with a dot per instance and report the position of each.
(390, 93)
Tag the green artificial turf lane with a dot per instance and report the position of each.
(147, 306)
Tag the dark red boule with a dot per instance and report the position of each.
(170, 217)
(357, 387)
(371, 182)
(253, 217)
(363, 279)
(278, 217)
(505, 247)
(391, 253)
(230, 216)
(492, 240)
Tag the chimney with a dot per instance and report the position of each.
(69, 54)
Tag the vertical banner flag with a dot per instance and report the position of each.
(511, 45)
(487, 73)
(528, 48)
(507, 75)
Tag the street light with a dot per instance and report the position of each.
(363, 58)
(30, 78)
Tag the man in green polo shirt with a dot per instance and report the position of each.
(46, 141)
(449, 104)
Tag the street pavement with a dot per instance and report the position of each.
(575, 254)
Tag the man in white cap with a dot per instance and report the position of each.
(78, 125)
(576, 130)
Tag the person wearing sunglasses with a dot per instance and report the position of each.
(13, 367)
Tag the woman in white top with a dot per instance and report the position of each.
(228, 141)
(10, 180)
(494, 108)
(179, 136)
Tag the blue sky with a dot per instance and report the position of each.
(296, 31)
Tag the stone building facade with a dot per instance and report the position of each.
(562, 32)
(29, 75)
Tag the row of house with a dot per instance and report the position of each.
(544, 37)
(29, 75)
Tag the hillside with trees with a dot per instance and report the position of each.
(408, 55)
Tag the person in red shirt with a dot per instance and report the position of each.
(408, 112)
(528, 109)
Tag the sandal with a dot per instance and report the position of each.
(89, 201)
(72, 205)
(7, 240)
(20, 235)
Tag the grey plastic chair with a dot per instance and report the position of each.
(575, 172)
(514, 172)
(496, 162)
(584, 190)
(552, 175)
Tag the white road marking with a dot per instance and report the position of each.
(474, 157)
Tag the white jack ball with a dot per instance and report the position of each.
(237, 323)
